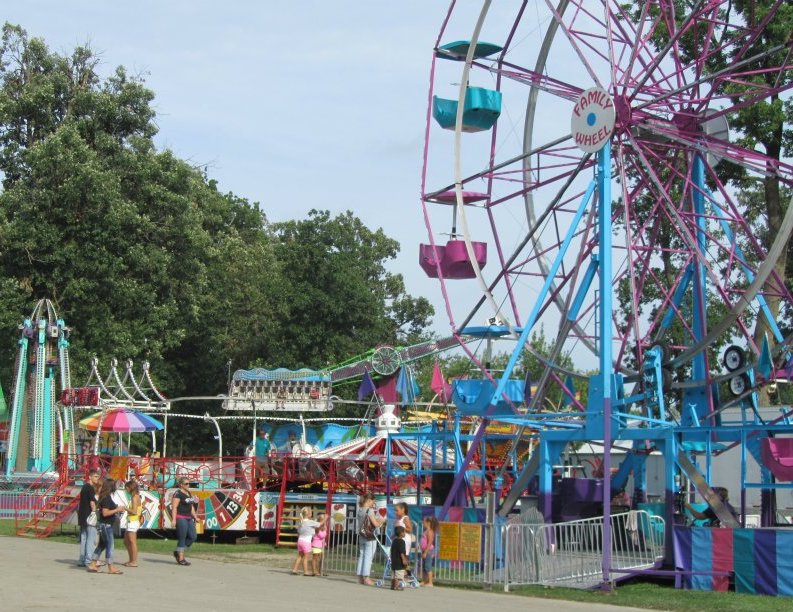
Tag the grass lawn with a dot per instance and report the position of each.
(150, 543)
(658, 597)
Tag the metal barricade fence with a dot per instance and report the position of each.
(20, 505)
(572, 553)
(342, 556)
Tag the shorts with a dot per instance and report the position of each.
(399, 574)
(428, 564)
(316, 551)
(303, 546)
(133, 526)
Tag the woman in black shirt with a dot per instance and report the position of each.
(183, 516)
(107, 512)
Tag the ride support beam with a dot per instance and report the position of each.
(460, 477)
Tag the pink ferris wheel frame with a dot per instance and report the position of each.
(664, 104)
(683, 243)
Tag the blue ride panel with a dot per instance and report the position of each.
(458, 50)
(472, 397)
(482, 109)
(282, 374)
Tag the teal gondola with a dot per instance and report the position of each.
(481, 111)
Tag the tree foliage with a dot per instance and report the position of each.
(145, 258)
(341, 297)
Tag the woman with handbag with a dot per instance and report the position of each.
(368, 524)
(108, 509)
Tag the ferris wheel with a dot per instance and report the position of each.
(574, 181)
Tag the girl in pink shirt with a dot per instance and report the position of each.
(318, 543)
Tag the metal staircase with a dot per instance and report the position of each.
(60, 500)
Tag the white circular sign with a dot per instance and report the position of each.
(592, 121)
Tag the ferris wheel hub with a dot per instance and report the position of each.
(622, 107)
(592, 120)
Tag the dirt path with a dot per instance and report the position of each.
(274, 560)
(40, 575)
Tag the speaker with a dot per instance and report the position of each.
(441, 485)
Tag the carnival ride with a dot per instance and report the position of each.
(314, 460)
(614, 230)
(42, 368)
(572, 167)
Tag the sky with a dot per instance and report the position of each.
(295, 105)
(318, 104)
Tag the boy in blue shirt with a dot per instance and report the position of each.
(262, 451)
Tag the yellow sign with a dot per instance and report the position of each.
(449, 536)
(470, 542)
(118, 468)
(500, 428)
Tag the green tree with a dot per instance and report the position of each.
(142, 255)
(145, 258)
(341, 298)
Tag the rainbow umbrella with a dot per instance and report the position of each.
(121, 420)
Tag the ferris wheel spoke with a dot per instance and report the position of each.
(638, 45)
(651, 247)
(573, 43)
(638, 33)
(744, 300)
(495, 168)
(670, 45)
(542, 82)
(533, 228)
(754, 33)
(746, 158)
(638, 254)
(730, 212)
(710, 78)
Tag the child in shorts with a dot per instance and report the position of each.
(318, 544)
(305, 532)
(399, 559)
(430, 524)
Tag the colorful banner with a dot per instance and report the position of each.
(760, 559)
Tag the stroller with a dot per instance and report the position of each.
(410, 578)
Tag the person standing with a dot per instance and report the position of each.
(107, 515)
(427, 543)
(183, 516)
(399, 560)
(403, 520)
(262, 452)
(306, 529)
(368, 524)
(133, 523)
(318, 544)
(86, 517)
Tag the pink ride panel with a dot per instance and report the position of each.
(778, 456)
